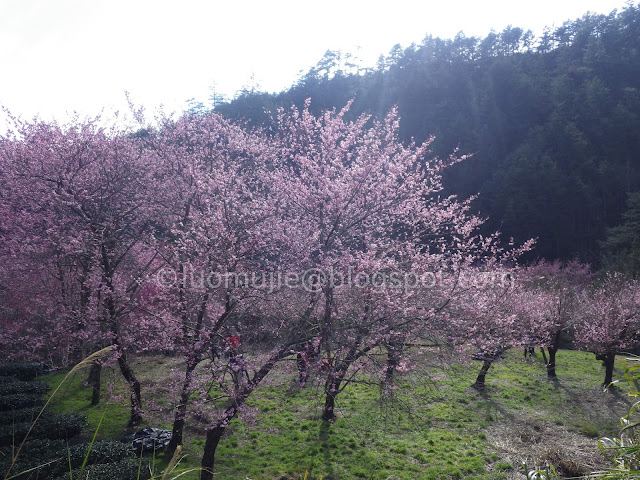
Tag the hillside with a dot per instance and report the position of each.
(553, 123)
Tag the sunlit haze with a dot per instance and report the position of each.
(71, 55)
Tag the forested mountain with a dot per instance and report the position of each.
(553, 122)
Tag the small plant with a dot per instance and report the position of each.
(549, 473)
(503, 466)
(589, 430)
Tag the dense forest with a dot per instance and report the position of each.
(553, 124)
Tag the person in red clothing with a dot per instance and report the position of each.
(236, 359)
(233, 341)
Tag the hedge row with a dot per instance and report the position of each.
(54, 426)
(14, 386)
(20, 400)
(101, 452)
(46, 455)
(33, 453)
(41, 447)
(24, 371)
(114, 458)
(123, 470)
(28, 414)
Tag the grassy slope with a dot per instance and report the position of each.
(436, 427)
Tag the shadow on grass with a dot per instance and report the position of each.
(319, 450)
(491, 404)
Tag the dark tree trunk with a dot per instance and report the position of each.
(209, 456)
(544, 356)
(134, 385)
(94, 382)
(331, 388)
(479, 384)
(609, 359)
(551, 364)
(181, 409)
(394, 353)
(336, 378)
(215, 434)
(125, 368)
(553, 349)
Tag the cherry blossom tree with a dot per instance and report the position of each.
(608, 319)
(524, 306)
(359, 212)
(220, 232)
(221, 240)
(363, 207)
(77, 201)
(487, 315)
(552, 295)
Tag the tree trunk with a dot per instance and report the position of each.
(209, 456)
(479, 384)
(125, 368)
(544, 356)
(551, 364)
(303, 368)
(215, 434)
(394, 352)
(94, 382)
(134, 385)
(609, 359)
(553, 349)
(331, 388)
(336, 378)
(181, 410)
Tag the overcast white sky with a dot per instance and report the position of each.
(60, 56)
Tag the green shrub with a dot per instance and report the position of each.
(123, 470)
(54, 457)
(17, 386)
(52, 427)
(24, 371)
(20, 400)
(22, 415)
(101, 452)
(33, 453)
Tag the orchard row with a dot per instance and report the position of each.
(92, 216)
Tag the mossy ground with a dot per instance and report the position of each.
(434, 427)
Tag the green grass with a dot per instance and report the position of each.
(435, 427)
(566, 401)
(74, 396)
